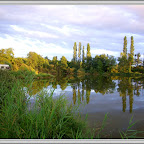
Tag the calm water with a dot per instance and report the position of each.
(120, 97)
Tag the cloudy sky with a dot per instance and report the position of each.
(51, 30)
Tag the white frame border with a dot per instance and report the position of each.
(63, 141)
(65, 2)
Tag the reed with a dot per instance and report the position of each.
(49, 118)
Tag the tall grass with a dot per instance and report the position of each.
(49, 118)
(131, 133)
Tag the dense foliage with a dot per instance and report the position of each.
(82, 62)
(127, 62)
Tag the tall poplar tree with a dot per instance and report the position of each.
(123, 65)
(88, 51)
(79, 52)
(75, 52)
(125, 46)
(83, 55)
(131, 55)
(132, 48)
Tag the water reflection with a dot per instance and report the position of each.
(126, 89)
(103, 85)
(82, 89)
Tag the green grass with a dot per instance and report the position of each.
(26, 74)
(131, 133)
(49, 118)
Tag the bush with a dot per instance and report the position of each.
(25, 67)
(23, 74)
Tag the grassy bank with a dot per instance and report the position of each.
(49, 118)
(24, 74)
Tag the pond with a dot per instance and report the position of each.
(120, 97)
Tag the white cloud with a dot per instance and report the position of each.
(104, 51)
(34, 33)
(66, 30)
(22, 46)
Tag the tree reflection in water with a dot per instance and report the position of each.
(81, 88)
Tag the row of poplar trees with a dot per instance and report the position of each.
(85, 63)
(126, 59)
(79, 58)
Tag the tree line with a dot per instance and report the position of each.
(81, 63)
(127, 60)
(34, 62)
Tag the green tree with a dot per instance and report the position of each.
(19, 61)
(88, 64)
(99, 66)
(7, 55)
(83, 55)
(123, 65)
(55, 61)
(88, 51)
(75, 52)
(32, 60)
(36, 61)
(125, 46)
(138, 58)
(79, 52)
(131, 55)
(40, 63)
(64, 62)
